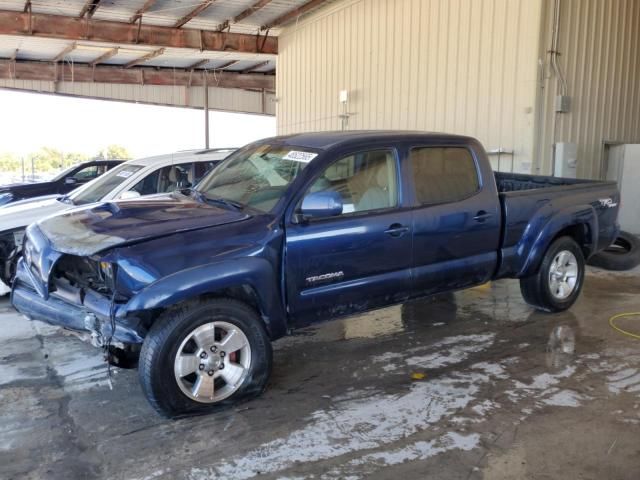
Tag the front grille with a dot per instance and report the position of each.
(82, 273)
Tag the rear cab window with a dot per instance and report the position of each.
(443, 174)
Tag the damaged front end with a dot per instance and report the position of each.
(75, 292)
(10, 249)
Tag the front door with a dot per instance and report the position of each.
(360, 259)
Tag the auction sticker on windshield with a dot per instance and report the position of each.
(298, 156)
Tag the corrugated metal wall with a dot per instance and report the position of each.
(224, 99)
(457, 66)
(476, 67)
(599, 43)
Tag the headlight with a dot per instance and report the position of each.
(107, 272)
(18, 238)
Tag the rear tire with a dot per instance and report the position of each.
(185, 367)
(557, 284)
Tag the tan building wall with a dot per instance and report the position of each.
(441, 65)
(476, 67)
(599, 42)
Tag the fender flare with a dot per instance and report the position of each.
(567, 217)
(253, 272)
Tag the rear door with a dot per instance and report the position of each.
(456, 220)
(360, 259)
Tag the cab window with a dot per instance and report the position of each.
(365, 181)
(443, 174)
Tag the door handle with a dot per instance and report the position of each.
(481, 216)
(396, 230)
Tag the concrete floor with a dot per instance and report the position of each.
(471, 385)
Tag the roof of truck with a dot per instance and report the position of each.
(326, 140)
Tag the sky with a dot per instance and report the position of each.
(29, 121)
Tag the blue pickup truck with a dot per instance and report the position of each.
(294, 230)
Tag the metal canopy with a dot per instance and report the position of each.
(157, 42)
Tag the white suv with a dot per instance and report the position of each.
(135, 178)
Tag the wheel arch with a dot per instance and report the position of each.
(249, 280)
(580, 223)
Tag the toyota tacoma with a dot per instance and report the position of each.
(297, 229)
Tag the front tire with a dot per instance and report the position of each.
(557, 284)
(204, 354)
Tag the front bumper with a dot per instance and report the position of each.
(64, 308)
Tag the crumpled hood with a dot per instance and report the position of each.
(86, 231)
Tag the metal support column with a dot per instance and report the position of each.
(206, 110)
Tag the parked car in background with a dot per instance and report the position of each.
(135, 178)
(64, 182)
(294, 230)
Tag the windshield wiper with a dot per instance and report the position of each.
(229, 203)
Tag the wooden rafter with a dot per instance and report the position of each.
(123, 33)
(104, 57)
(64, 53)
(142, 10)
(193, 13)
(27, 70)
(293, 14)
(89, 8)
(145, 58)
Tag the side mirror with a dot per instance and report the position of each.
(321, 205)
(70, 181)
(128, 195)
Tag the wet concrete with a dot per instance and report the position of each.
(464, 386)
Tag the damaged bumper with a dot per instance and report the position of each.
(64, 308)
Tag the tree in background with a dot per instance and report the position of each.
(114, 152)
(48, 160)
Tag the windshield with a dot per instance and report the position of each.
(101, 186)
(257, 176)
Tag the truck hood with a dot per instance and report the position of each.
(88, 230)
(26, 188)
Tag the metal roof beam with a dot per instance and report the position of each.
(293, 14)
(256, 66)
(27, 70)
(199, 64)
(64, 53)
(89, 8)
(104, 57)
(245, 13)
(193, 13)
(226, 65)
(145, 58)
(142, 10)
(121, 33)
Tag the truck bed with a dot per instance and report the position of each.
(531, 202)
(515, 182)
